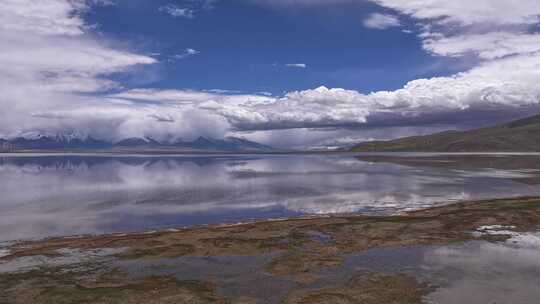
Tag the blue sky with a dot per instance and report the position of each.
(246, 47)
(298, 74)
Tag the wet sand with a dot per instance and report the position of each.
(283, 261)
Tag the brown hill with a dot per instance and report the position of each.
(518, 136)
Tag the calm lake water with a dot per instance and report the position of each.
(55, 195)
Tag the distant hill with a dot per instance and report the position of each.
(69, 142)
(518, 136)
(56, 142)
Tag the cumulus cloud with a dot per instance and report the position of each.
(481, 92)
(50, 18)
(50, 60)
(464, 12)
(381, 21)
(489, 29)
(502, 34)
(49, 57)
(423, 101)
(489, 45)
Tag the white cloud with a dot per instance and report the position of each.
(176, 11)
(490, 45)
(489, 29)
(465, 12)
(499, 89)
(502, 85)
(186, 53)
(54, 17)
(381, 21)
(114, 121)
(48, 58)
(189, 9)
(479, 91)
(419, 101)
(304, 3)
(296, 65)
(192, 51)
(166, 96)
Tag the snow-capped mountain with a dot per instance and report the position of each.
(201, 143)
(77, 141)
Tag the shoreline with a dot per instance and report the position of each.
(150, 153)
(296, 254)
(251, 222)
(308, 219)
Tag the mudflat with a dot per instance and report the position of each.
(281, 261)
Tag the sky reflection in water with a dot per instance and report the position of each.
(483, 272)
(66, 195)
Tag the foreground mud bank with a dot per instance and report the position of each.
(286, 261)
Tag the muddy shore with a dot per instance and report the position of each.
(282, 261)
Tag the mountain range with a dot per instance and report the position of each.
(517, 136)
(70, 142)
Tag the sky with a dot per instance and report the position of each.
(288, 73)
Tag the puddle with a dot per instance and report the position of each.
(470, 272)
(319, 237)
(484, 272)
(235, 276)
(473, 272)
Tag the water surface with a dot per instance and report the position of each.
(55, 195)
(472, 272)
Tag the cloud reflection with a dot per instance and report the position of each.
(487, 272)
(46, 196)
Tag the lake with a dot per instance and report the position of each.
(45, 195)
